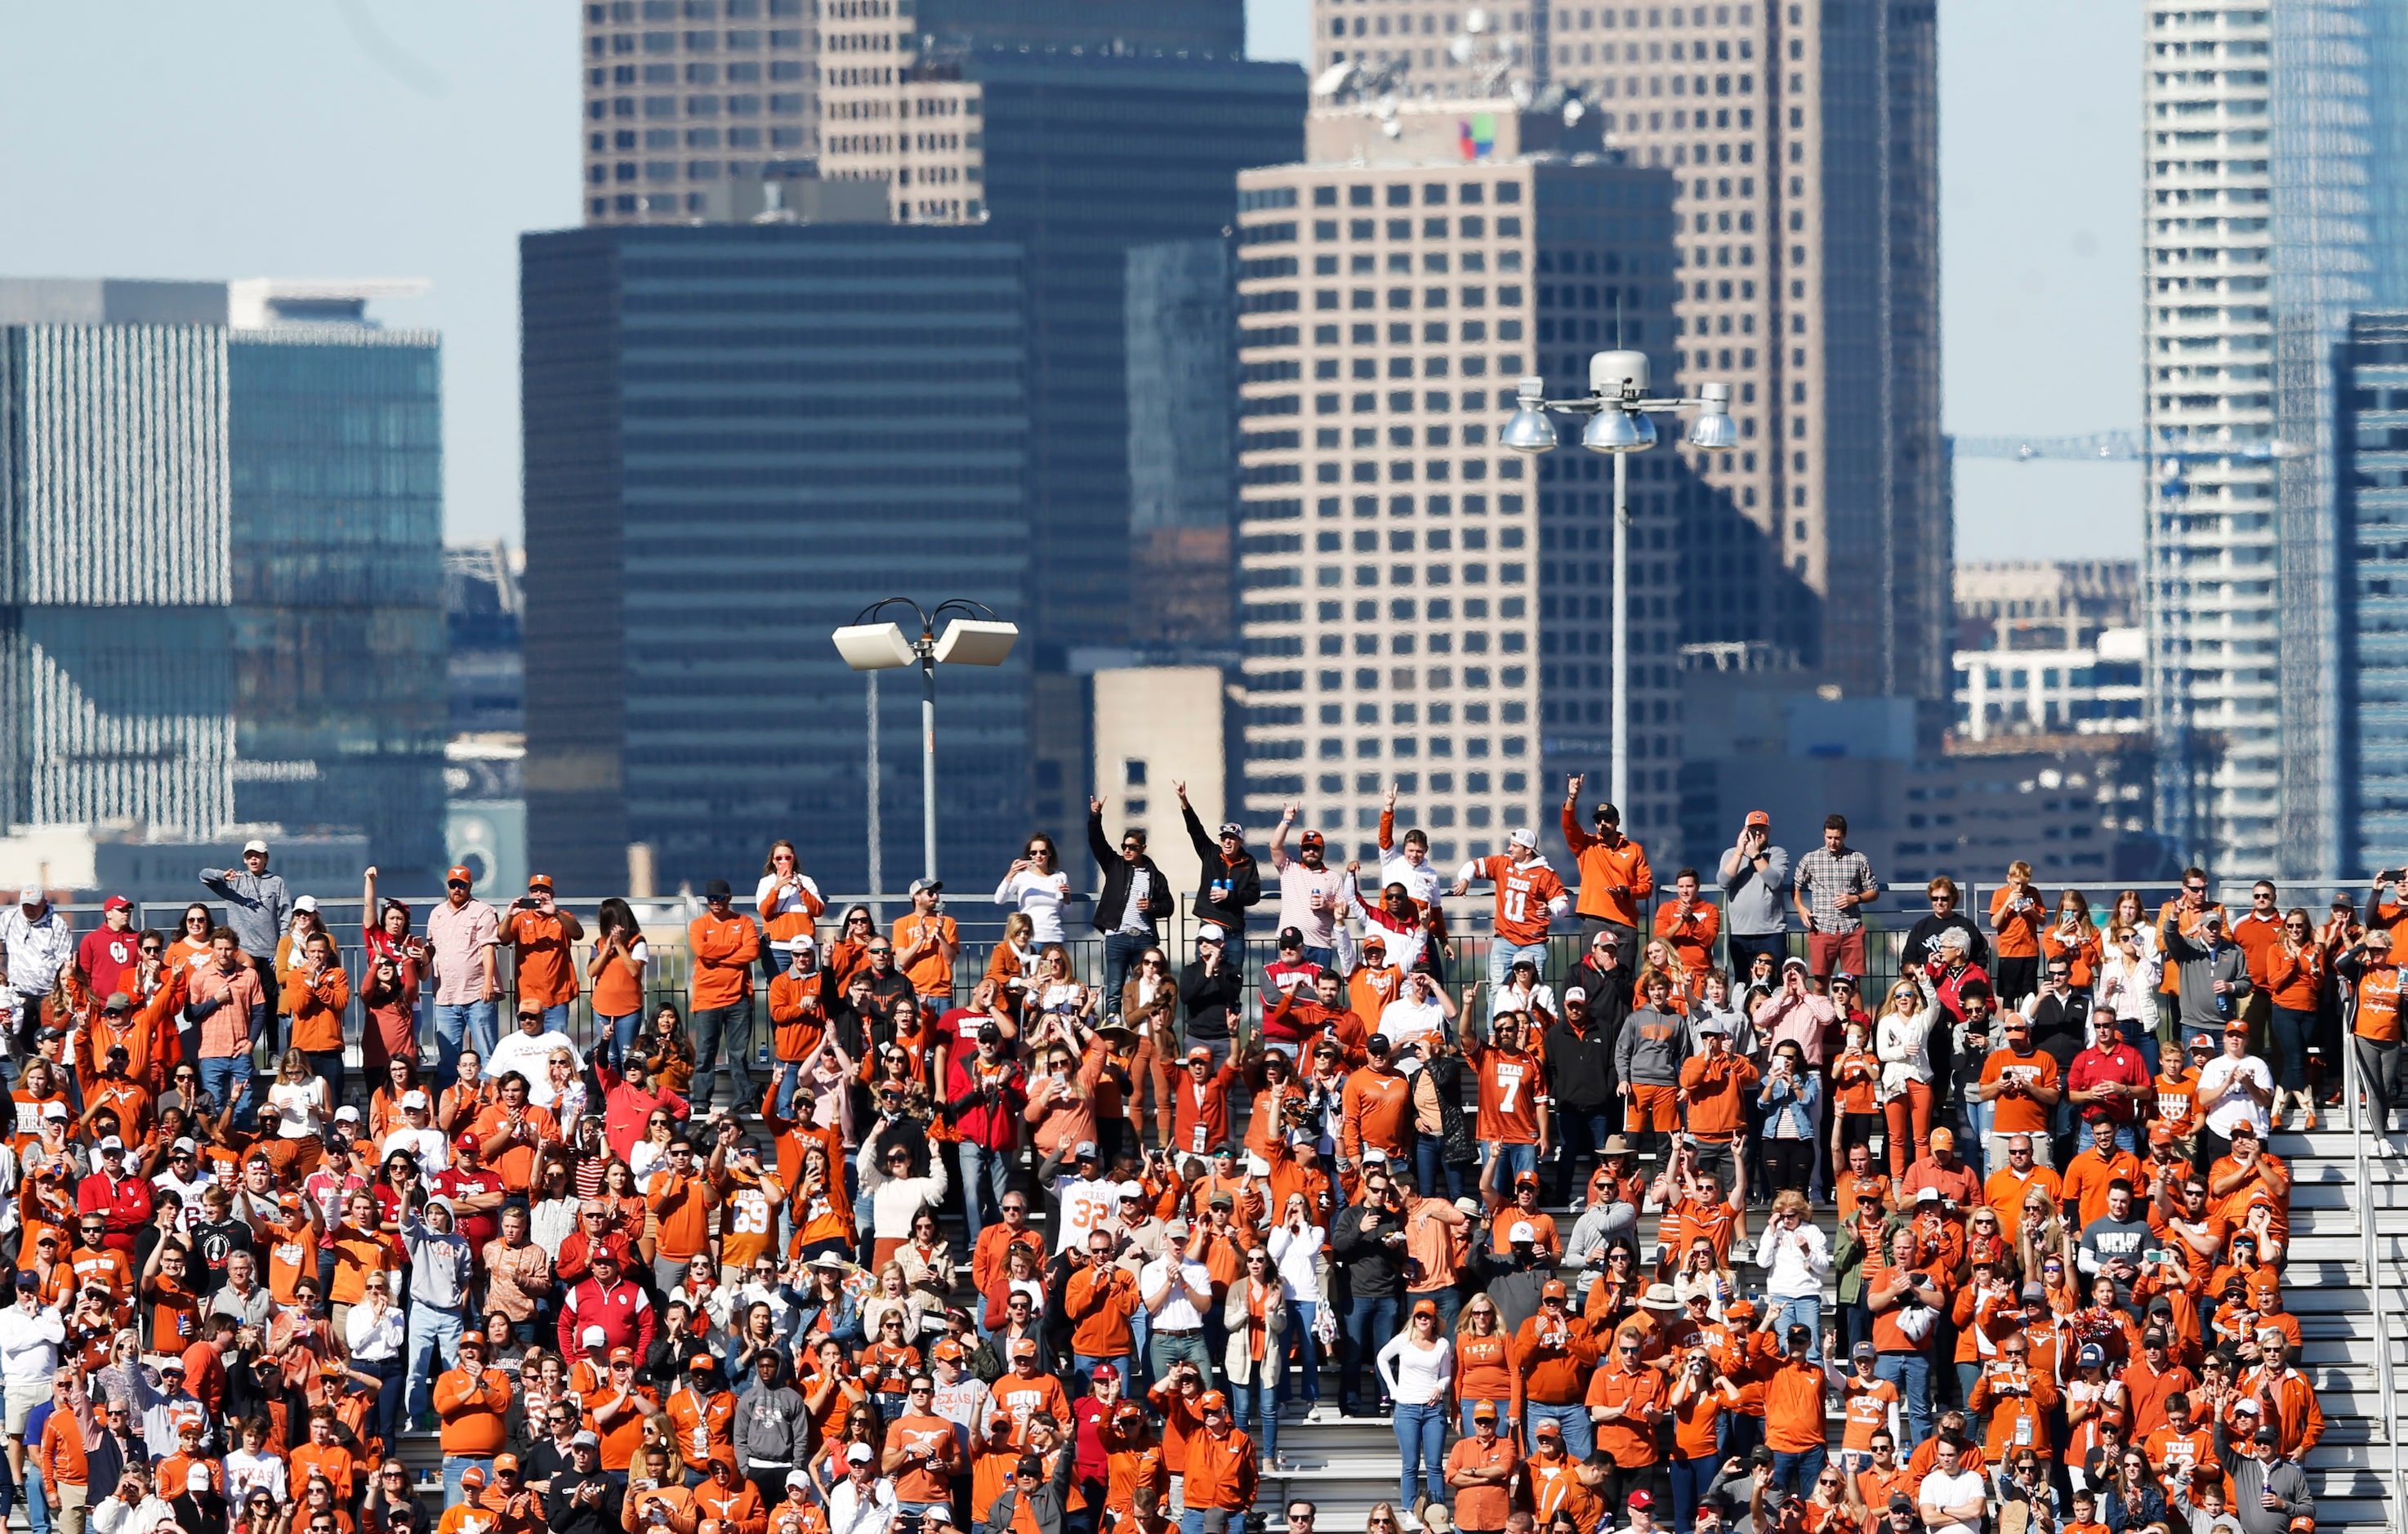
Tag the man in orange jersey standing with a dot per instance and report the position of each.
(1512, 1103)
(1528, 896)
(1555, 1352)
(724, 944)
(1615, 878)
(1221, 1476)
(1625, 1400)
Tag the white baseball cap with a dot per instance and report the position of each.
(1521, 836)
(1522, 1231)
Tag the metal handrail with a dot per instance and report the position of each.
(2369, 1263)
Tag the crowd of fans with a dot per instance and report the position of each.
(1032, 1251)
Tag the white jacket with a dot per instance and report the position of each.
(1901, 1044)
(115, 1515)
(1795, 1261)
(29, 1345)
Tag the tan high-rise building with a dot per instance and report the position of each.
(1422, 607)
(1802, 135)
(687, 99)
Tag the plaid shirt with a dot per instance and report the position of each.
(1824, 876)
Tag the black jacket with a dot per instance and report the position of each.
(1375, 1263)
(1211, 1000)
(1609, 998)
(1579, 1067)
(1227, 890)
(1159, 901)
(564, 1516)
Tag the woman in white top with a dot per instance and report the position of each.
(2129, 971)
(1900, 1035)
(561, 1089)
(1420, 1013)
(1417, 1366)
(375, 1329)
(785, 894)
(1058, 996)
(302, 1103)
(1295, 1247)
(1795, 1261)
(1036, 885)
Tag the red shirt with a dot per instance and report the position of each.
(107, 958)
(2121, 1064)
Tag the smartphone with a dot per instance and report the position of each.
(2153, 1254)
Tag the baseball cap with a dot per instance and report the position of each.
(506, 1462)
(456, 874)
(306, 902)
(1554, 1289)
(197, 1478)
(1522, 1231)
(1758, 817)
(1575, 993)
(1024, 1348)
(117, 902)
(413, 1098)
(701, 1363)
(1484, 1410)
(593, 1337)
(2091, 1356)
(858, 1454)
(1792, 962)
(27, 1281)
(473, 1478)
(931, 886)
(798, 1478)
(717, 890)
(623, 1355)
(1547, 1428)
(1311, 838)
(112, 1144)
(347, 1113)
(1083, 1151)
(255, 845)
(1106, 1371)
(1943, 1139)
(1521, 836)
(1211, 1400)
(1640, 1498)
(1290, 936)
(1425, 1307)
(54, 1111)
(1927, 1195)
(1209, 932)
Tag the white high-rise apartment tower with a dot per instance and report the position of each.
(2208, 336)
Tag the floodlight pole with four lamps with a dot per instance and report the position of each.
(978, 638)
(1618, 406)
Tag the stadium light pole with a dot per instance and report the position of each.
(1618, 406)
(976, 638)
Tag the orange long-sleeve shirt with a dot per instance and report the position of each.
(60, 1454)
(472, 1407)
(1221, 1470)
(1554, 1369)
(724, 951)
(317, 1011)
(1715, 1091)
(1377, 1107)
(1099, 1305)
(2018, 1402)
(1603, 869)
(1691, 931)
(683, 1205)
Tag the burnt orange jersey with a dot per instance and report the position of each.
(1524, 894)
(1510, 1085)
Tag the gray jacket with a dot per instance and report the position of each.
(2284, 1477)
(258, 907)
(771, 1426)
(1752, 900)
(2197, 969)
(1238, 1358)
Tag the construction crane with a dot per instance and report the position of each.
(2169, 453)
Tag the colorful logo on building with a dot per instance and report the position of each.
(1478, 135)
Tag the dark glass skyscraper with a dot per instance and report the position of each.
(736, 437)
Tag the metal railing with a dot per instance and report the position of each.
(981, 924)
(2371, 1241)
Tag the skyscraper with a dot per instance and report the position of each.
(737, 438)
(222, 507)
(1802, 135)
(2273, 146)
(2369, 769)
(682, 97)
(1414, 595)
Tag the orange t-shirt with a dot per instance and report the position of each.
(2079, 948)
(2177, 1099)
(2257, 936)
(705, 1425)
(931, 1437)
(2013, 1114)
(1639, 1392)
(540, 943)
(748, 1218)
(1866, 1406)
(932, 973)
(616, 992)
(1793, 1408)
(2018, 931)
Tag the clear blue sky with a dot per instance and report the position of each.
(377, 137)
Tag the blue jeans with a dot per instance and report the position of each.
(1912, 1373)
(1421, 1439)
(555, 1017)
(2292, 1032)
(434, 1338)
(227, 1078)
(1260, 1402)
(1303, 1380)
(709, 1026)
(1691, 1479)
(1192, 1522)
(1429, 1159)
(1325, 958)
(389, 1394)
(1502, 954)
(1580, 1438)
(985, 1175)
(1803, 1311)
(1798, 1471)
(1084, 1367)
(1121, 949)
(37, 1500)
(621, 1032)
(1369, 1323)
(1512, 1160)
(453, 1466)
(459, 1024)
